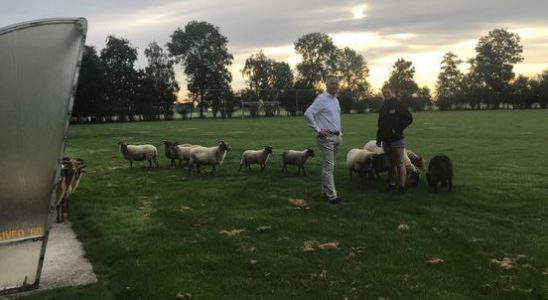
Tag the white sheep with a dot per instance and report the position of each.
(139, 153)
(359, 161)
(260, 157)
(182, 152)
(298, 158)
(208, 156)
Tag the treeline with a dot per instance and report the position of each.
(110, 88)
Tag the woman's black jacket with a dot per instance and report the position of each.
(393, 119)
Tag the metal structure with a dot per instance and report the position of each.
(39, 62)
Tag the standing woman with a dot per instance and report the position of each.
(393, 119)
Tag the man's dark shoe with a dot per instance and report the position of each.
(390, 187)
(335, 201)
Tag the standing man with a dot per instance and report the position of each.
(324, 116)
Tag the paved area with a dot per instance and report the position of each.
(64, 263)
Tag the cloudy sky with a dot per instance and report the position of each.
(381, 30)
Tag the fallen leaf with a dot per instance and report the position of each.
(403, 227)
(183, 295)
(545, 272)
(309, 246)
(264, 228)
(505, 263)
(232, 232)
(354, 252)
(434, 261)
(328, 246)
(297, 202)
(185, 209)
(252, 261)
(322, 275)
(252, 249)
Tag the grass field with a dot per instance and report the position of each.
(155, 234)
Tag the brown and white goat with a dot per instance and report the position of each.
(71, 173)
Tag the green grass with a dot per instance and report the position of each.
(145, 244)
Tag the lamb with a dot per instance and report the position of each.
(414, 163)
(71, 173)
(359, 161)
(299, 158)
(260, 157)
(208, 156)
(168, 145)
(182, 152)
(139, 153)
(440, 169)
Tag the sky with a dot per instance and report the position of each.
(421, 31)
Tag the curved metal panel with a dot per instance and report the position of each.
(39, 63)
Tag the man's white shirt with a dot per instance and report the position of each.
(324, 113)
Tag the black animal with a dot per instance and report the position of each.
(440, 170)
(381, 163)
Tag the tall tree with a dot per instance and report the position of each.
(540, 89)
(202, 50)
(496, 55)
(118, 58)
(449, 83)
(353, 71)
(522, 96)
(401, 79)
(91, 95)
(160, 72)
(259, 71)
(319, 55)
(423, 99)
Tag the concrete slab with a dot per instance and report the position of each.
(64, 263)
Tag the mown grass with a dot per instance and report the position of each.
(154, 234)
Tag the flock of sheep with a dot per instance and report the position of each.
(196, 155)
(367, 162)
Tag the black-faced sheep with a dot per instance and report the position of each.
(359, 161)
(440, 170)
(139, 153)
(298, 158)
(208, 156)
(168, 148)
(260, 157)
(71, 173)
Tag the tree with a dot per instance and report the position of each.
(268, 79)
(118, 58)
(423, 99)
(164, 85)
(202, 50)
(401, 79)
(496, 55)
(449, 83)
(539, 89)
(353, 71)
(522, 96)
(91, 99)
(319, 58)
(259, 70)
